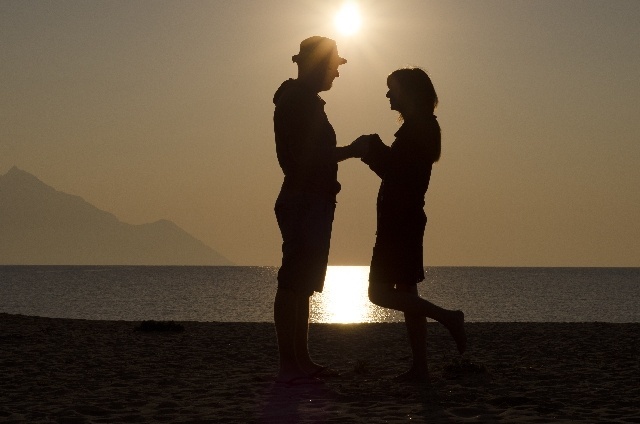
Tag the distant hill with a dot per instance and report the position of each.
(42, 226)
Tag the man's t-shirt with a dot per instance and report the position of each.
(305, 141)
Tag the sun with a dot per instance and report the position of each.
(348, 20)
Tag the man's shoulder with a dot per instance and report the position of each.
(293, 94)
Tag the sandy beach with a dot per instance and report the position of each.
(76, 371)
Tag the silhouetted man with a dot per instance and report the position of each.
(308, 156)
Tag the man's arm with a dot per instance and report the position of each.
(377, 157)
(345, 152)
(357, 149)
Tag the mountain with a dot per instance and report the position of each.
(42, 226)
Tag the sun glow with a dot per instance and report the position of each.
(348, 20)
(344, 298)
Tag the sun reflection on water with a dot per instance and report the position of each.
(344, 298)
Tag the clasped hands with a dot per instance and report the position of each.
(360, 146)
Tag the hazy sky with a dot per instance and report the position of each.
(163, 110)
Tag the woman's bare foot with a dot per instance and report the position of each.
(456, 327)
(413, 376)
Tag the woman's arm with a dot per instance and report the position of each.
(378, 156)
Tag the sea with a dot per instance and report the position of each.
(246, 293)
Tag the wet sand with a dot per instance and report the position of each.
(76, 371)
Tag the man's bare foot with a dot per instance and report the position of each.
(309, 366)
(287, 376)
(289, 372)
(324, 372)
(456, 328)
(300, 381)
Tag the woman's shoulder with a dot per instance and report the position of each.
(418, 140)
(419, 128)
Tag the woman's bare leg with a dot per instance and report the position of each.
(417, 333)
(410, 303)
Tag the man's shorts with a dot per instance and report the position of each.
(305, 221)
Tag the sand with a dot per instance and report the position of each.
(76, 371)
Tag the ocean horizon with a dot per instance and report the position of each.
(245, 293)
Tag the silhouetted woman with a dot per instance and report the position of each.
(405, 169)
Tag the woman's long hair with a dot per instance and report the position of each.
(417, 88)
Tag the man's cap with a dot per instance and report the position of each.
(316, 49)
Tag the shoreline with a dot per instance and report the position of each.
(83, 371)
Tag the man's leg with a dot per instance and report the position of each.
(285, 316)
(302, 337)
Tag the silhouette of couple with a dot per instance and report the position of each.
(308, 155)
